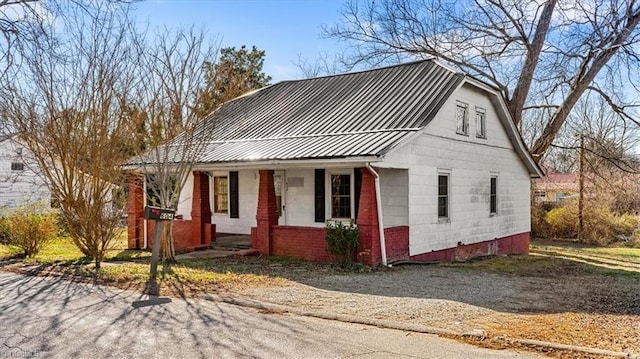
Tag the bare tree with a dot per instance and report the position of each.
(65, 101)
(167, 123)
(542, 56)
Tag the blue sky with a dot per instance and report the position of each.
(285, 29)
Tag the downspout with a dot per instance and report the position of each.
(144, 221)
(383, 247)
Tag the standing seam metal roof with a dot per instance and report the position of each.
(357, 114)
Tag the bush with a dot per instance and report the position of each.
(4, 233)
(31, 230)
(342, 241)
(563, 222)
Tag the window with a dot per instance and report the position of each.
(277, 183)
(157, 186)
(220, 194)
(462, 118)
(443, 196)
(481, 125)
(17, 166)
(539, 194)
(493, 199)
(341, 196)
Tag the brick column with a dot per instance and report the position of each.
(367, 221)
(200, 208)
(266, 213)
(135, 211)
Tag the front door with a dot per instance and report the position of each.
(279, 181)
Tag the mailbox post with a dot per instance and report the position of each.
(159, 215)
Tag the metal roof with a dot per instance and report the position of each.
(351, 115)
(357, 114)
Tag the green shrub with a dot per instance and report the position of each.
(342, 241)
(539, 226)
(30, 229)
(563, 222)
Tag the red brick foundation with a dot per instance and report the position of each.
(183, 238)
(515, 244)
(306, 243)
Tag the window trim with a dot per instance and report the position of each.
(493, 197)
(480, 111)
(328, 193)
(465, 121)
(215, 194)
(446, 218)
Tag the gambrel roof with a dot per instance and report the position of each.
(356, 115)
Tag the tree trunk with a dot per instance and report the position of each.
(516, 103)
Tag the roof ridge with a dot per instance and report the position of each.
(432, 59)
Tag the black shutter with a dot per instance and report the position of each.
(234, 211)
(319, 196)
(357, 185)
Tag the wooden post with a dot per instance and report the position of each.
(581, 188)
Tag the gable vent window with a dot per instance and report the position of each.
(462, 118)
(17, 166)
(481, 123)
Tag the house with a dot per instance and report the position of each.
(20, 183)
(554, 187)
(424, 159)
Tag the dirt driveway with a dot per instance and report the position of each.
(550, 299)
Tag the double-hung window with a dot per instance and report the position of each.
(340, 196)
(493, 197)
(221, 194)
(443, 196)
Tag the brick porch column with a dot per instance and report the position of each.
(367, 221)
(135, 211)
(266, 213)
(200, 209)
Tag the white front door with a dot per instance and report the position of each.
(279, 181)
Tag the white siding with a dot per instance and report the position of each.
(185, 201)
(19, 188)
(470, 162)
(394, 193)
(248, 181)
(299, 206)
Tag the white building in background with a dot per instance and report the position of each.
(20, 183)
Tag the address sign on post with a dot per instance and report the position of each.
(158, 214)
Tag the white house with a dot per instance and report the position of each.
(19, 181)
(426, 160)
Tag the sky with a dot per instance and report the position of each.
(285, 29)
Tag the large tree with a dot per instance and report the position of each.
(236, 72)
(543, 56)
(64, 100)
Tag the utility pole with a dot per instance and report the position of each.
(580, 187)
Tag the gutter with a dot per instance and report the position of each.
(383, 247)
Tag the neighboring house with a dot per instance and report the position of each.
(425, 160)
(555, 187)
(20, 183)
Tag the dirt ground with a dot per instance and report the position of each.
(540, 297)
(562, 304)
